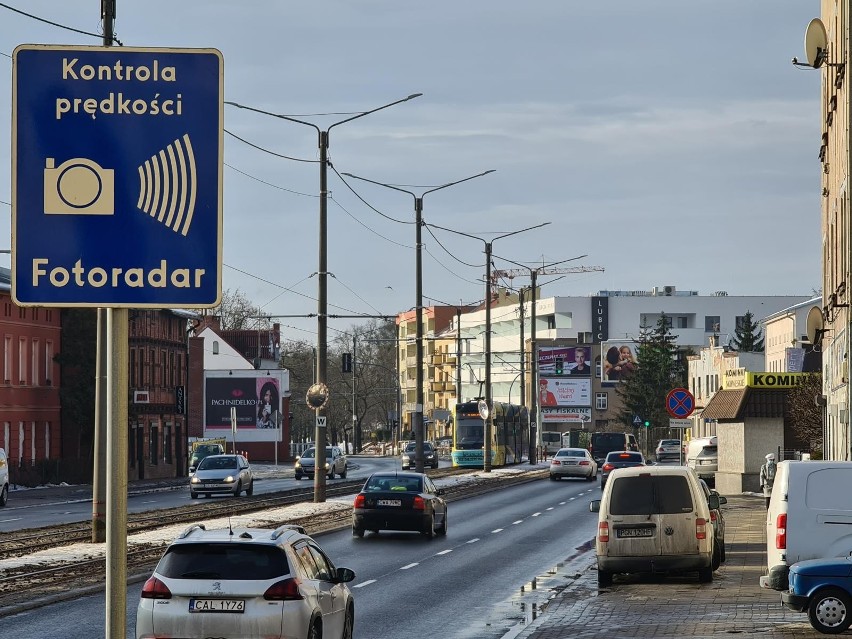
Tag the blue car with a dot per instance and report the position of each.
(823, 588)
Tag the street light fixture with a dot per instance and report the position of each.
(418, 212)
(486, 461)
(322, 294)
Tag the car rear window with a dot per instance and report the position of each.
(709, 451)
(622, 456)
(650, 495)
(231, 561)
(570, 453)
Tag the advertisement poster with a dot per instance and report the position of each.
(618, 360)
(254, 395)
(564, 414)
(564, 391)
(575, 360)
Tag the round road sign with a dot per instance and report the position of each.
(680, 403)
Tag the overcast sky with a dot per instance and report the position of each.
(670, 142)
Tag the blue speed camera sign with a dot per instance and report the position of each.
(117, 176)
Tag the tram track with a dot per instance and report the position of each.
(28, 584)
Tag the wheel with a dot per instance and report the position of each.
(315, 631)
(4, 496)
(430, 527)
(238, 489)
(331, 473)
(193, 494)
(723, 552)
(604, 578)
(830, 611)
(349, 623)
(298, 478)
(442, 530)
(705, 575)
(250, 489)
(717, 557)
(343, 474)
(590, 478)
(435, 465)
(553, 477)
(357, 532)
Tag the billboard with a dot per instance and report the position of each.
(575, 360)
(564, 391)
(256, 397)
(618, 360)
(565, 414)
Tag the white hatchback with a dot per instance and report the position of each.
(251, 583)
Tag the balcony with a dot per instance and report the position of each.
(443, 387)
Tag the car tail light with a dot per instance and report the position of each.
(155, 589)
(286, 590)
(713, 516)
(781, 531)
(603, 532)
(360, 500)
(700, 528)
(584, 463)
(419, 503)
(607, 467)
(556, 462)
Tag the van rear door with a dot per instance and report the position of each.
(651, 515)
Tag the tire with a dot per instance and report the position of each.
(553, 477)
(443, 529)
(298, 478)
(357, 532)
(193, 494)
(315, 630)
(250, 489)
(590, 478)
(331, 473)
(343, 474)
(4, 496)
(349, 623)
(430, 527)
(604, 578)
(705, 575)
(830, 611)
(238, 489)
(716, 561)
(723, 552)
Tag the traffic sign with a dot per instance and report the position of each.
(680, 423)
(637, 421)
(117, 176)
(321, 421)
(680, 403)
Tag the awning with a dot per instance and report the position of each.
(725, 404)
(742, 403)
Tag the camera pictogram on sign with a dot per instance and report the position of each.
(78, 186)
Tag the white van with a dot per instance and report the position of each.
(654, 519)
(809, 516)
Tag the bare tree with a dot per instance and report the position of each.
(236, 312)
(804, 411)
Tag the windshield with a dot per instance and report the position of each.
(469, 434)
(312, 452)
(212, 463)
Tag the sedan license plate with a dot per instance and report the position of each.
(635, 532)
(217, 605)
(389, 502)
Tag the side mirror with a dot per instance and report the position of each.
(440, 491)
(713, 502)
(344, 575)
(595, 505)
(192, 470)
(723, 500)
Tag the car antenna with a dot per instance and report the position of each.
(230, 528)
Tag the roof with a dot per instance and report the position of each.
(745, 402)
(725, 404)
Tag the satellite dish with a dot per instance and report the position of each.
(816, 43)
(814, 325)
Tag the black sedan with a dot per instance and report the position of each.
(619, 459)
(400, 501)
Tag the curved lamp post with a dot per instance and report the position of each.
(486, 462)
(418, 212)
(322, 294)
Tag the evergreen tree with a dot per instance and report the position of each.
(747, 338)
(659, 369)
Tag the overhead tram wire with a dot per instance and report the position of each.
(100, 36)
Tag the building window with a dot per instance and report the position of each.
(682, 322)
(167, 443)
(712, 323)
(132, 380)
(740, 321)
(48, 362)
(153, 443)
(7, 359)
(22, 360)
(601, 401)
(598, 367)
(47, 440)
(35, 359)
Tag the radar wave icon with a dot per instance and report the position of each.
(168, 183)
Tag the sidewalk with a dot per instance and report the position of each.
(637, 606)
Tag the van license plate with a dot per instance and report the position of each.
(635, 532)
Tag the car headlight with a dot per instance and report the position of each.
(405, 459)
(194, 480)
(229, 479)
(298, 464)
(326, 465)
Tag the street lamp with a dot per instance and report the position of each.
(322, 293)
(418, 212)
(486, 462)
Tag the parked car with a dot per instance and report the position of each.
(335, 463)
(654, 519)
(573, 462)
(667, 449)
(823, 588)
(200, 450)
(718, 519)
(251, 583)
(4, 478)
(217, 474)
(400, 501)
(430, 455)
(702, 456)
(620, 459)
(602, 444)
(803, 515)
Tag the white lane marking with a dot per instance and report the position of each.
(519, 521)
(551, 508)
(444, 552)
(472, 541)
(416, 563)
(562, 503)
(572, 499)
(496, 530)
(536, 514)
(365, 583)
